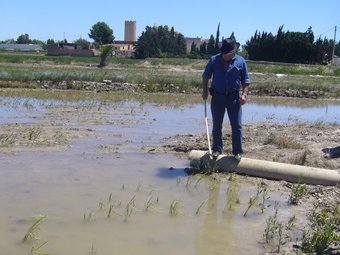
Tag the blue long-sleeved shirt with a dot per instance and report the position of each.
(227, 79)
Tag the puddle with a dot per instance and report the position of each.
(76, 187)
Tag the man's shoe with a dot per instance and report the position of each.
(215, 154)
(238, 156)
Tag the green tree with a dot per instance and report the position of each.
(181, 45)
(106, 53)
(160, 42)
(290, 47)
(203, 48)
(9, 41)
(172, 41)
(82, 43)
(23, 39)
(337, 49)
(101, 33)
(50, 41)
(211, 45)
(217, 41)
(193, 47)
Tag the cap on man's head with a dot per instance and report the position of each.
(229, 45)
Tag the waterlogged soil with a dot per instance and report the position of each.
(91, 167)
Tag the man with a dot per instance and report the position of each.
(230, 73)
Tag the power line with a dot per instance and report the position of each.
(331, 29)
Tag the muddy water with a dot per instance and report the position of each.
(106, 168)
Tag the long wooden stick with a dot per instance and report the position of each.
(206, 125)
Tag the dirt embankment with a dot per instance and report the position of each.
(293, 144)
(299, 144)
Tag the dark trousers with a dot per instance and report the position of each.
(231, 102)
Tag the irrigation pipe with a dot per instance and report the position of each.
(266, 169)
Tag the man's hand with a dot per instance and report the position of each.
(243, 96)
(243, 99)
(205, 89)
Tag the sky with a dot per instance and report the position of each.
(73, 19)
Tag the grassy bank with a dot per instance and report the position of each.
(159, 75)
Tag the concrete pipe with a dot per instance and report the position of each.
(201, 161)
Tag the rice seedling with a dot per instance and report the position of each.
(298, 190)
(174, 207)
(189, 180)
(272, 225)
(201, 205)
(178, 181)
(7, 139)
(129, 208)
(200, 178)
(232, 196)
(110, 197)
(101, 205)
(87, 217)
(324, 230)
(252, 201)
(282, 238)
(151, 205)
(110, 210)
(291, 222)
(33, 133)
(37, 251)
(139, 186)
(213, 182)
(263, 190)
(93, 250)
(31, 233)
(274, 232)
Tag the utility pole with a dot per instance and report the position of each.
(334, 46)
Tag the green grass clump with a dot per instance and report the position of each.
(324, 225)
(283, 142)
(298, 191)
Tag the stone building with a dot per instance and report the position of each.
(123, 48)
(198, 41)
(71, 49)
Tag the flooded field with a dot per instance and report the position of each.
(79, 160)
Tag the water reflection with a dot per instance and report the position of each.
(216, 237)
(279, 112)
(276, 110)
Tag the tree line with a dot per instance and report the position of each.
(162, 42)
(290, 47)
